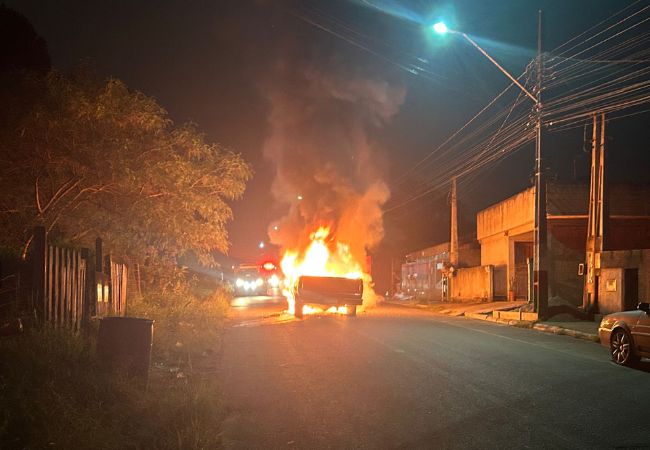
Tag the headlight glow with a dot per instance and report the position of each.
(239, 282)
(259, 282)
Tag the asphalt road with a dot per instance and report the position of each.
(402, 378)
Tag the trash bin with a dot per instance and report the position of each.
(124, 343)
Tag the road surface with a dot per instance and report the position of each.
(403, 378)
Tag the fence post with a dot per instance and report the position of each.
(38, 280)
(124, 281)
(108, 279)
(89, 289)
(99, 257)
(98, 309)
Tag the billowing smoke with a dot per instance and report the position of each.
(326, 166)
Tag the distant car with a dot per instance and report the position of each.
(249, 281)
(627, 334)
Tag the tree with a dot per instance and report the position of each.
(97, 159)
(20, 47)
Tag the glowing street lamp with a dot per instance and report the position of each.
(440, 28)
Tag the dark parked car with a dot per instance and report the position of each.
(627, 334)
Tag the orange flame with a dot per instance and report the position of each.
(324, 256)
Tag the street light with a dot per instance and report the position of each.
(540, 239)
(440, 28)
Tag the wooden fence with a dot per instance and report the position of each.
(65, 291)
(69, 287)
(111, 289)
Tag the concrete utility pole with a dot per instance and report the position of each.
(596, 224)
(453, 242)
(540, 272)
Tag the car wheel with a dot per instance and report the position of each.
(298, 310)
(352, 310)
(621, 348)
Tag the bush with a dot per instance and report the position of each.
(54, 392)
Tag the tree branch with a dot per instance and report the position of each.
(38, 197)
(60, 193)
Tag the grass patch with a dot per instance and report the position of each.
(55, 394)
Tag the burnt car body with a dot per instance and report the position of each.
(627, 334)
(328, 291)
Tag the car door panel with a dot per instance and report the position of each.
(641, 333)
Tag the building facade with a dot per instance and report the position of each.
(505, 233)
(423, 270)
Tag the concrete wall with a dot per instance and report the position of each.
(630, 259)
(511, 214)
(495, 250)
(628, 233)
(566, 250)
(610, 291)
(567, 242)
(499, 227)
(472, 284)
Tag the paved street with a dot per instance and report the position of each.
(401, 378)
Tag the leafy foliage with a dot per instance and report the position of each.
(56, 393)
(91, 158)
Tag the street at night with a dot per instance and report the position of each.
(252, 224)
(397, 377)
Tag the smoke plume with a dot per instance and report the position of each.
(326, 169)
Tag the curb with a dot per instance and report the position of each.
(490, 318)
(566, 331)
(553, 329)
(406, 305)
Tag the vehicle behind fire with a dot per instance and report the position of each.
(249, 280)
(328, 291)
(256, 279)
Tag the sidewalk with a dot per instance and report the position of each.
(486, 311)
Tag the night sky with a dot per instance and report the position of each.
(215, 62)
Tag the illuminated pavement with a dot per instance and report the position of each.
(402, 378)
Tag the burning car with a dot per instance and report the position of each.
(324, 275)
(344, 294)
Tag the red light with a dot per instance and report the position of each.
(269, 266)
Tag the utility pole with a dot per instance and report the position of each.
(540, 273)
(453, 243)
(597, 221)
(391, 289)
